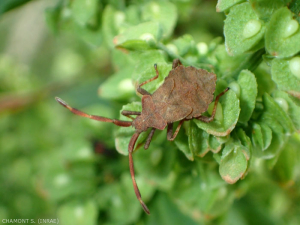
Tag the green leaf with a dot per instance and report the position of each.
(121, 59)
(140, 37)
(83, 11)
(231, 109)
(257, 136)
(265, 8)
(248, 93)
(279, 122)
(201, 142)
(182, 142)
(78, 212)
(157, 162)
(163, 12)
(144, 67)
(198, 140)
(273, 110)
(205, 193)
(195, 142)
(233, 162)
(6, 5)
(119, 197)
(118, 86)
(282, 34)
(261, 138)
(61, 183)
(185, 44)
(172, 214)
(243, 29)
(293, 106)
(216, 143)
(284, 78)
(267, 136)
(278, 138)
(123, 200)
(223, 5)
(151, 87)
(230, 66)
(244, 141)
(53, 16)
(132, 13)
(264, 80)
(288, 160)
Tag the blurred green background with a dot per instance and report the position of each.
(57, 165)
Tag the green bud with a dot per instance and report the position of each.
(251, 28)
(172, 48)
(282, 103)
(126, 85)
(236, 88)
(147, 37)
(202, 48)
(155, 8)
(295, 66)
(291, 28)
(119, 19)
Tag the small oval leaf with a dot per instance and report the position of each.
(280, 42)
(231, 110)
(233, 165)
(240, 34)
(248, 93)
(284, 77)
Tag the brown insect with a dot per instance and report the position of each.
(184, 95)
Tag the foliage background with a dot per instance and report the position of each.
(56, 165)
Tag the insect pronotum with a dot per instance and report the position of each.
(184, 95)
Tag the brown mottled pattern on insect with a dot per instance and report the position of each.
(187, 88)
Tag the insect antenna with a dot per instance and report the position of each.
(93, 117)
(131, 166)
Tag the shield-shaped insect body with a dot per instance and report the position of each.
(184, 95)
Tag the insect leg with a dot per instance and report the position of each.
(149, 138)
(131, 166)
(176, 62)
(171, 136)
(98, 118)
(130, 113)
(143, 91)
(209, 119)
